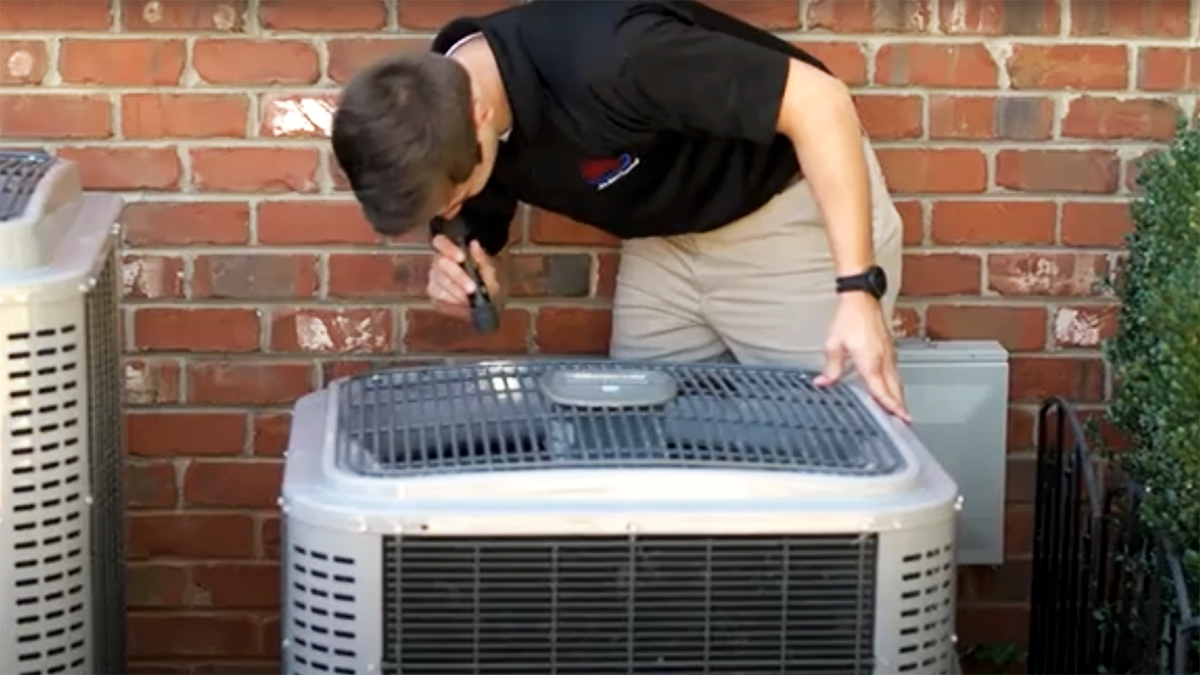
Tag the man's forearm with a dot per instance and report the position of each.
(819, 117)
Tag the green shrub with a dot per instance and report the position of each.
(1155, 354)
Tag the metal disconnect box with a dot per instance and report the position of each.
(598, 517)
(957, 391)
(62, 599)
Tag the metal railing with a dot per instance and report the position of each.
(1108, 596)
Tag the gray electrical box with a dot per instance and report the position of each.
(957, 391)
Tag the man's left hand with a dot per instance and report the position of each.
(858, 331)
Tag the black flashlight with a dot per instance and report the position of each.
(483, 312)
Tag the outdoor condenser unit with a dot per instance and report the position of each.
(600, 517)
(62, 600)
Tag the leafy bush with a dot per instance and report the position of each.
(1155, 354)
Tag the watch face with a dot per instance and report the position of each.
(877, 281)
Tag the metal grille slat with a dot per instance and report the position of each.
(625, 605)
(495, 417)
(20, 173)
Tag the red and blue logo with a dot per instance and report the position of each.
(602, 172)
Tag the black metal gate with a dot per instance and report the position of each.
(1108, 596)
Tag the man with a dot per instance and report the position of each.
(754, 217)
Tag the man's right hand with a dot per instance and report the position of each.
(450, 285)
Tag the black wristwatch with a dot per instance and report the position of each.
(873, 281)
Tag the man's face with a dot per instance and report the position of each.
(475, 183)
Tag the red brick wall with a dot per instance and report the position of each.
(1009, 131)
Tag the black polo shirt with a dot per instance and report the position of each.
(641, 118)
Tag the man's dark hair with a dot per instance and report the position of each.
(403, 134)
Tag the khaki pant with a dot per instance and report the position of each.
(759, 290)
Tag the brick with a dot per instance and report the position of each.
(1018, 118)
(151, 381)
(238, 383)
(221, 61)
(999, 17)
(190, 16)
(906, 322)
(271, 432)
(891, 117)
(180, 535)
(269, 535)
(184, 115)
(156, 585)
(912, 215)
(951, 170)
(60, 15)
(25, 62)
(607, 266)
(185, 223)
(1075, 171)
(547, 227)
(1080, 380)
(573, 330)
(992, 624)
(557, 275)
(768, 14)
(993, 222)
(1168, 69)
(1106, 117)
(1097, 224)
(846, 60)
(936, 65)
(184, 434)
(232, 484)
(433, 14)
(56, 115)
(1066, 66)
(1018, 523)
(1045, 274)
(349, 55)
(426, 330)
(256, 170)
(340, 331)
(126, 168)
(159, 635)
(1085, 326)
(122, 62)
(1020, 427)
(313, 223)
(870, 16)
(1018, 329)
(366, 275)
(307, 115)
(151, 276)
(1010, 582)
(305, 15)
(255, 276)
(937, 274)
(1143, 18)
(150, 485)
(195, 330)
(236, 585)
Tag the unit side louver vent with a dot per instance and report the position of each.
(926, 621)
(44, 423)
(323, 612)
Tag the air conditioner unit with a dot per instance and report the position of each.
(62, 600)
(600, 517)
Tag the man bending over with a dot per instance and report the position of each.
(754, 219)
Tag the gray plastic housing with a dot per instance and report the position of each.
(957, 391)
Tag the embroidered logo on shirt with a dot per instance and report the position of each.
(602, 172)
